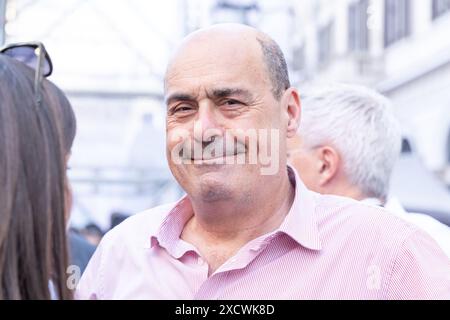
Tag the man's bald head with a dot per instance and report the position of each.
(241, 38)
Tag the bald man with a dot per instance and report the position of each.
(248, 228)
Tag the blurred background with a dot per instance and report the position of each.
(109, 57)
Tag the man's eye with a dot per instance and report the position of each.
(232, 102)
(182, 108)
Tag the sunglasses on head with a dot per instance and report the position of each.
(34, 55)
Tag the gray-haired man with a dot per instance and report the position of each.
(347, 145)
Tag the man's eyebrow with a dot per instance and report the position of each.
(178, 96)
(226, 92)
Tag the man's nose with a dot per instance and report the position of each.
(206, 125)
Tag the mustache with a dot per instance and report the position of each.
(217, 147)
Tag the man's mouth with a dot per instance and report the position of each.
(215, 158)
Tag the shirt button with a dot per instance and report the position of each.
(200, 261)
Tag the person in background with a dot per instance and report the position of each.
(347, 145)
(81, 250)
(37, 127)
(92, 233)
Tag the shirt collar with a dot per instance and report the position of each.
(372, 201)
(300, 223)
(169, 232)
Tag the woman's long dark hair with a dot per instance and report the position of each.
(34, 145)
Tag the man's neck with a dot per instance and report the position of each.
(221, 229)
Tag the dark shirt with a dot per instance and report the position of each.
(80, 250)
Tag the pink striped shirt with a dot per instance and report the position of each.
(328, 247)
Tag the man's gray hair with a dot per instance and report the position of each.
(275, 64)
(360, 124)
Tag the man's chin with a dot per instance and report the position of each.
(212, 190)
(211, 183)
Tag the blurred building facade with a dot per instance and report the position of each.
(399, 47)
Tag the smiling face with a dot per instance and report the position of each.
(216, 85)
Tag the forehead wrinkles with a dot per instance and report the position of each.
(202, 78)
(199, 72)
(211, 58)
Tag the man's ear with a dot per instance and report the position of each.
(329, 162)
(293, 108)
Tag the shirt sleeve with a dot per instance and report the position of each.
(89, 287)
(421, 270)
